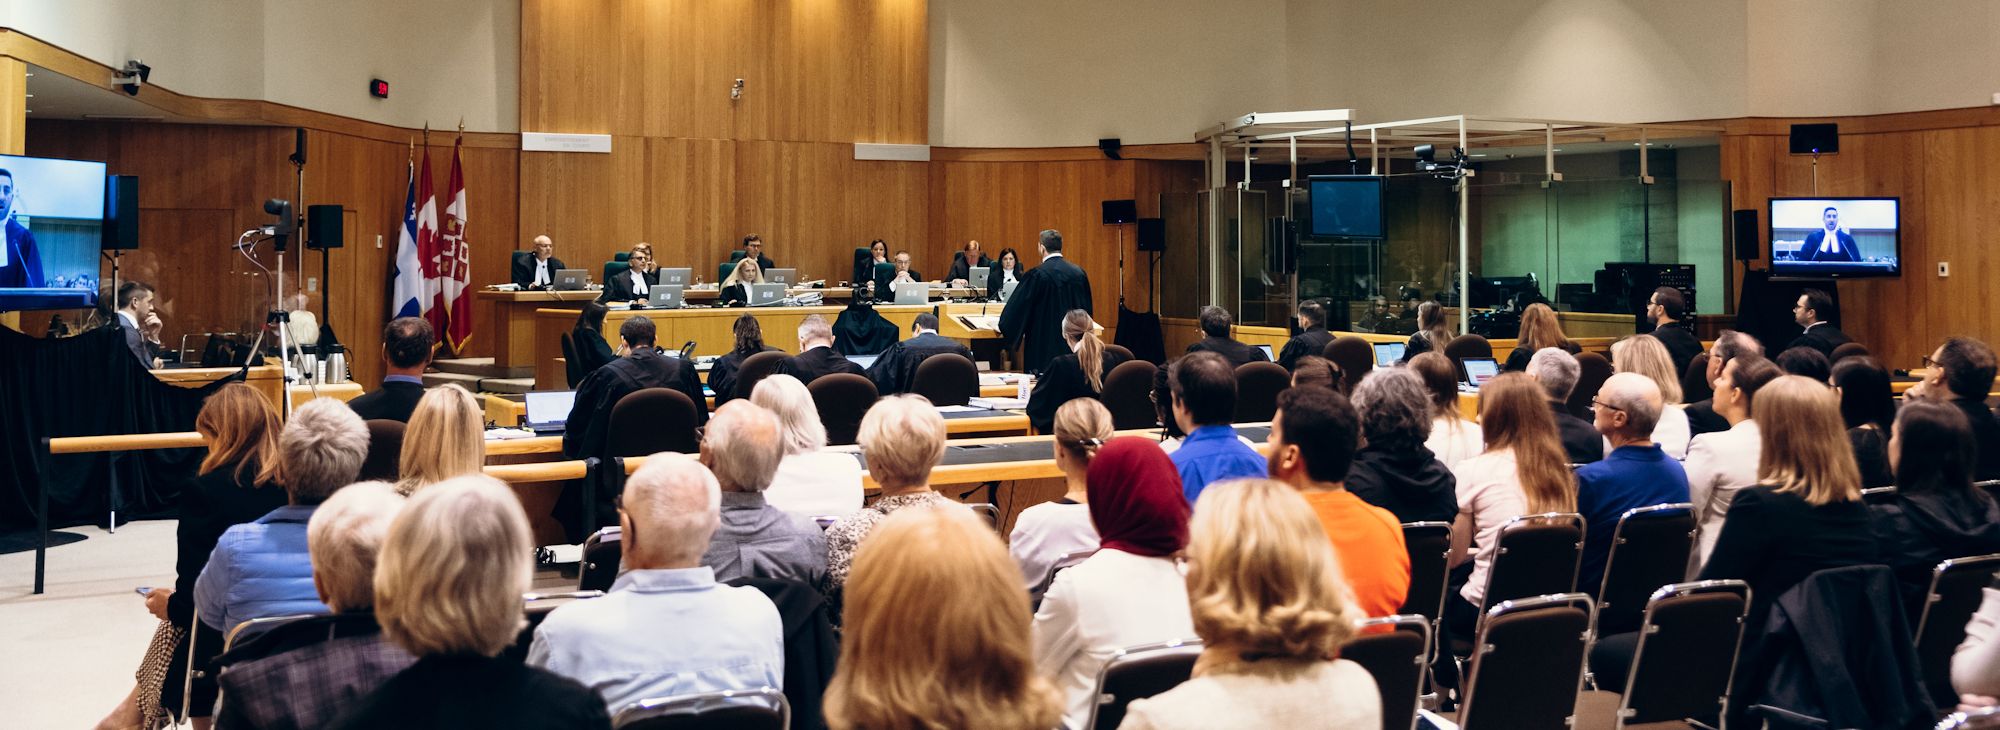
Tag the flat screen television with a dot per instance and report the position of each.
(1346, 206)
(53, 215)
(1820, 238)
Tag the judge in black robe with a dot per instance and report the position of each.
(963, 262)
(897, 368)
(1063, 382)
(1033, 316)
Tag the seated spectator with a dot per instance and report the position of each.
(666, 627)
(1216, 338)
(1313, 437)
(1975, 665)
(1131, 591)
(743, 445)
(934, 597)
(1272, 614)
(1171, 434)
(1961, 373)
(1868, 408)
(1646, 356)
(407, 343)
(313, 668)
(1522, 472)
(1635, 474)
(809, 481)
(1312, 338)
(1432, 333)
(446, 438)
(448, 588)
(589, 433)
(1453, 438)
(1807, 362)
(902, 439)
(896, 369)
(1316, 370)
(593, 350)
(1936, 514)
(1394, 470)
(1729, 345)
(816, 354)
(1044, 533)
(1667, 308)
(1540, 330)
(1080, 373)
(1722, 463)
(1811, 311)
(749, 335)
(1204, 386)
(1557, 372)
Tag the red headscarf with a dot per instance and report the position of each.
(1135, 498)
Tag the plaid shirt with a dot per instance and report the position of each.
(309, 686)
(845, 536)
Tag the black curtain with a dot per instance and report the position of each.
(88, 385)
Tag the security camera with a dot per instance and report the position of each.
(134, 75)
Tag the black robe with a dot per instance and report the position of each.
(897, 367)
(619, 288)
(524, 270)
(590, 417)
(1310, 342)
(959, 269)
(722, 375)
(810, 365)
(1237, 353)
(1061, 383)
(1034, 314)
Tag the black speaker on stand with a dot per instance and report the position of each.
(1745, 239)
(120, 232)
(324, 230)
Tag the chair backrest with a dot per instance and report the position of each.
(1648, 550)
(754, 369)
(572, 369)
(617, 266)
(987, 511)
(652, 420)
(1694, 380)
(1984, 718)
(1429, 545)
(1138, 672)
(1687, 652)
(1123, 351)
(842, 399)
(764, 708)
(1464, 346)
(1128, 394)
(1992, 487)
(257, 626)
(1527, 667)
(1592, 370)
(723, 269)
(603, 552)
(1068, 560)
(385, 451)
(1536, 555)
(947, 379)
(1954, 595)
(535, 607)
(1257, 386)
(1846, 350)
(1878, 495)
(1396, 659)
(1354, 356)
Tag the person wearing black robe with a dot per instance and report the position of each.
(1063, 382)
(749, 341)
(635, 282)
(590, 418)
(963, 262)
(587, 337)
(896, 369)
(816, 356)
(1313, 341)
(1215, 323)
(1033, 316)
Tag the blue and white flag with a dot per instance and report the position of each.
(408, 298)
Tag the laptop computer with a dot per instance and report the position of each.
(1007, 291)
(763, 295)
(665, 297)
(787, 277)
(571, 279)
(1268, 355)
(912, 292)
(1387, 354)
(676, 277)
(548, 410)
(1478, 370)
(976, 278)
(865, 361)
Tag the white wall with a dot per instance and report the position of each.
(1842, 57)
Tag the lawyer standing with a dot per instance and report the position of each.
(1034, 314)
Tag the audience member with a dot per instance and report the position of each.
(1316, 370)
(1666, 308)
(1540, 330)
(1217, 338)
(1453, 438)
(896, 369)
(1204, 385)
(1868, 408)
(809, 481)
(1807, 362)
(635, 283)
(1647, 356)
(1975, 665)
(1131, 591)
(1045, 532)
(1729, 345)
(1936, 513)
(312, 668)
(593, 349)
(1313, 438)
(407, 343)
(1722, 463)
(1394, 470)
(1522, 472)
(448, 590)
(1432, 333)
(1811, 311)
(1312, 338)
(816, 354)
(1635, 474)
(1267, 600)
(735, 288)
(902, 438)
(1961, 373)
(749, 334)
(1557, 371)
(936, 598)
(743, 445)
(446, 439)
(1080, 373)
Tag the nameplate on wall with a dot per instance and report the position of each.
(552, 142)
(892, 152)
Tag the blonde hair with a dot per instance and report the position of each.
(933, 593)
(1514, 414)
(785, 396)
(1079, 330)
(1643, 354)
(1540, 328)
(344, 537)
(445, 439)
(902, 439)
(452, 571)
(320, 450)
(1804, 441)
(240, 428)
(1081, 427)
(736, 273)
(1262, 574)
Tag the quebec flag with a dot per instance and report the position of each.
(407, 291)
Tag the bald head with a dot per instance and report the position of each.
(1629, 405)
(742, 444)
(670, 508)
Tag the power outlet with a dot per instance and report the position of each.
(378, 240)
(1944, 269)
(312, 283)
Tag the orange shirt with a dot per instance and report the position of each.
(1369, 541)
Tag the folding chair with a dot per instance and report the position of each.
(1528, 668)
(1535, 555)
(1138, 672)
(602, 553)
(535, 607)
(1954, 596)
(1067, 561)
(988, 511)
(256, 627)
(1649, 549)
(1685, 661)
(1878, 495)
(1397, 660)
(758, 709)
(1429, 547)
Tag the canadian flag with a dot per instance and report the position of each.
(429, 248)
(455, 259)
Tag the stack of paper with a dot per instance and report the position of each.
(1000, 404)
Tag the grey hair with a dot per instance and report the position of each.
(743, 443)
(321, 450)
(1730, 344)
(789, 399)
(1638, 397)
(814, 327)
(1556, 370)
(343, 538)
(677, 504)
(1395, 409)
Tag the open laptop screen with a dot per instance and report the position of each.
(1387, 354)
(1266, 349)
(549, 408)
(1478, 370)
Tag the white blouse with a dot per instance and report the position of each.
(1046, 532)
(1454, 440)
(1489, 491)
(822, 483)
(1112, 601)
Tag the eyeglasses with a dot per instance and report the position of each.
(1595, 403)
(1929, 363)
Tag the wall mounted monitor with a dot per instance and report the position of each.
(52, 212)
(1821, 238)
(1346, 206)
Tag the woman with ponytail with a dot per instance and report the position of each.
(1046, 532)
(1079, 374)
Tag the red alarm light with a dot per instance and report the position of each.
(378, 89)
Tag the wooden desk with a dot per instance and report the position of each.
(344, 392)
(708, 328)
(267, 379)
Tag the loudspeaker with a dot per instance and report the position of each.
(1120, 211)
(1110, 147)
(1744, 242)
(299, 146)
(1810, 139)
(323, 227)
(121, 213)
(1152, 234)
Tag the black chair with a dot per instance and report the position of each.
(1694, 380)
(1128, 394)
(842, 399)
(1685, 660)
(535, 607)
(1396, 659)
(1123, 351)
(1429, 545)
(1878, 495)
(1649, 549)
(758, 709)
(754, 369)
(1536, 555)
(1846, 350)
(987, 511)
(946, 379)
(1257, 386)
(572, 370)
(1067, 561)
(1354, 356)
(652, 420)
(603, 552)
(1954, 596)
(256, 627)
(1831, 654)
(1529, 667)
(1592, 370)
(1138, 672)
(385, 451)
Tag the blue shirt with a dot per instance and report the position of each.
(1212, 454)
(402, 379)
(661, 633)
(259, 569)
(1628, 478)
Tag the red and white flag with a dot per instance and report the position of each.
(455, 267)
(430, 248)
